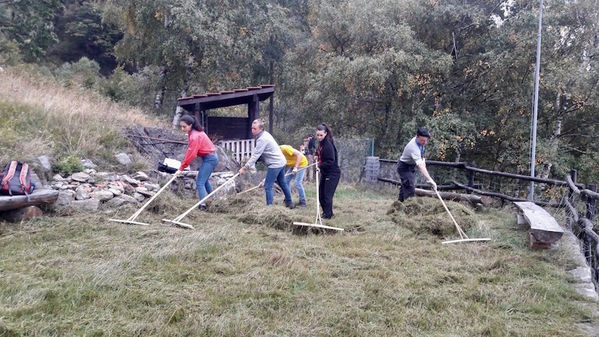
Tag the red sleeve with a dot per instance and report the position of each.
(192, 152)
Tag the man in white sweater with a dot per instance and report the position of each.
(268, 149)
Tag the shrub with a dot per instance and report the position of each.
(69, 165)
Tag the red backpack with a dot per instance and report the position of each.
(16, 179)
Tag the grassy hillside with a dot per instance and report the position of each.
(245, 273)
(41, 117)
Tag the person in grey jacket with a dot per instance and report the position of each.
(412, 158)
(269, 150)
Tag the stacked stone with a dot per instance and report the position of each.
(88, 190)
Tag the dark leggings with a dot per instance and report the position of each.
(406, 174)
(326, 190)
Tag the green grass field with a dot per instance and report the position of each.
(245, 272)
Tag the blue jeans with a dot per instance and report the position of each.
(277, 174)
(299, 178)
(209, 162)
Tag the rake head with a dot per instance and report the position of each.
(466, 240)
(131, 222)
(317, 226)
(179, 223)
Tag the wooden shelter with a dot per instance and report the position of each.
(229, 127)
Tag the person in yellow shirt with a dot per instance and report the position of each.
(295, 162)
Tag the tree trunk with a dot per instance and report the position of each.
(160, 94)
(179, 110)
(554, 139)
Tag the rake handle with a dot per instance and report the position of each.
(136, 214)
(180, 217)
(460, 231)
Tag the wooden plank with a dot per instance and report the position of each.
(543, 226)
(38, 197)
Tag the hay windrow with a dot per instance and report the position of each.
(427, 216)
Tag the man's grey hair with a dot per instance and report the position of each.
(259, 122)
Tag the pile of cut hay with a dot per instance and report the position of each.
(427, 216)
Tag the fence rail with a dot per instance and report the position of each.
(580, 224)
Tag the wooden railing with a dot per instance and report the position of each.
(573, 194)
(240, 148)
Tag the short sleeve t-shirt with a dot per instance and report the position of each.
(290, 157)
(412, 152)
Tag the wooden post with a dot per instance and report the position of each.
(574, 176)
(253, 113)
(470, 180)
(271, 102)
(270, 113)
(591, 203)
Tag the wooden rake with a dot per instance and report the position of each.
(131, 219)
(318, 221)
(178, 220)
(463, 236)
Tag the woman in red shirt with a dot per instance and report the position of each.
(199, 146)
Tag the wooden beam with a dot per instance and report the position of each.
(38, 197)
(471, 198)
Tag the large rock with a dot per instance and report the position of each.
(225, 163)
(102, 195)
(139, 197)
(131, 181)
(129, 199)
(123, 159)
(82, 192)
(88, 164)
(115, 202)
(64, 198)
(45, 163)
(141, 176)
(143, 191)
(80, 177)
(88, 205)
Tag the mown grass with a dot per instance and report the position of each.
(41, 117)
(87, 276)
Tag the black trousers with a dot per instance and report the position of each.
(326, 190)
(407, 175)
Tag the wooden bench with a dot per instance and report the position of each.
(544, 230)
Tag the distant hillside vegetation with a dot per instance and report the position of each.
(42, 117)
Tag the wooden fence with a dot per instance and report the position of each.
(573, 194)
(239, 149)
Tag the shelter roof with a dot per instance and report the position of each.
(215, 100)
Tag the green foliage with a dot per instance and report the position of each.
(374, 69)
(68, 165)
(30, 24)
(131, 88)
(9, 51)
(84, 72)
(81, 33)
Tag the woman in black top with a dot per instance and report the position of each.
(328, 166)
